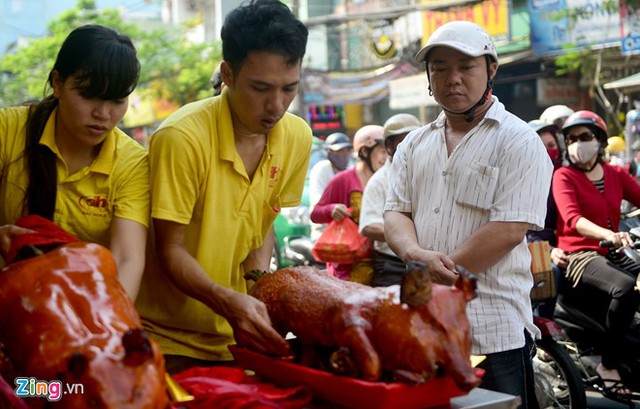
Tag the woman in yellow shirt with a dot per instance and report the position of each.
(64, 159)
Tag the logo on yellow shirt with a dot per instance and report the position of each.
(94, 205)
(274, 175)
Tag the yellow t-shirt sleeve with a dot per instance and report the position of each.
(132, 200)
(177, 166)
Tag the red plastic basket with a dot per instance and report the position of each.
(350, 392)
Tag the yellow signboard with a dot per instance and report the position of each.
(492, 15)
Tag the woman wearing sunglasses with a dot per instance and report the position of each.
(588, 195)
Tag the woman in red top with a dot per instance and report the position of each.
(588, 194)
(345, 188)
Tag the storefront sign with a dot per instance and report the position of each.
(629, 28)
(382, 41)
(551, 33)
(326, 119)
(552, 91)
(410, 92)
(365, 87)
(492, 15)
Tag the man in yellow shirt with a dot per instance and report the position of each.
(221, 169)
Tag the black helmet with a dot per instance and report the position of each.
(337, 141)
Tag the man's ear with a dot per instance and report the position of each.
(492, 70)
(226, 73)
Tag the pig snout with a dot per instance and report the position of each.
(137, 347)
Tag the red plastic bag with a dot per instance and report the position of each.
(341, 243)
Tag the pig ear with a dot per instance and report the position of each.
(467, 282)
(137, 347)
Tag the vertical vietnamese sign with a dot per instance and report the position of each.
(629, 28)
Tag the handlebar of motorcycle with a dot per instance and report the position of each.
(609, 244)
(606, 243)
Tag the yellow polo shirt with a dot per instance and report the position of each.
(199, 180)
(116, 184)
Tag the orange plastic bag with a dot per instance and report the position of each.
(341, 243)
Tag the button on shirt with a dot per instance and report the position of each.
(499, 172)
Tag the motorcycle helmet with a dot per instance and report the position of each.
(556, 114)
(400, 124)
(337, 141)
(365, 139)
(368, 137)
(467, 37)
(590, 119)
(616, 144)
(539, 126)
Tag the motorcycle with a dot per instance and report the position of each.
(297, 252)
(558, 381)
(578, 317)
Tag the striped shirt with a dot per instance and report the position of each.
(499, 172)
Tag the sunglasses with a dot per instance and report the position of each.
(583, 137)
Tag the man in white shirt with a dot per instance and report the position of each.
(464, 190)
(339, 157)
(388, 269)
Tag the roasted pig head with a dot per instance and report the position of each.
(66, 320)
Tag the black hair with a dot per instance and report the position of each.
(263, 25)
(102, 64)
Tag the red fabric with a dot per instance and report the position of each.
(47, 234)
(231, 388)
(576, 197)
(8, 397)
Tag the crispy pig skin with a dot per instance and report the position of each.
(380, 333)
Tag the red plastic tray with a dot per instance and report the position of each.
(349, 392)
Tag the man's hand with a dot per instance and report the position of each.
(339, 212)
(441, 267)
(7, 233)
(559, 257)
(251, 325)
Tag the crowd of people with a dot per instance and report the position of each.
(468, 189)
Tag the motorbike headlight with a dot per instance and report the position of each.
(296, 215)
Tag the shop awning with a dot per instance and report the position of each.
(627, 84)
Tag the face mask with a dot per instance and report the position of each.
(340, 161)
(583, 152)
(553, 153)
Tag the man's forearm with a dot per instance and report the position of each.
(400, 234)
(488, 245)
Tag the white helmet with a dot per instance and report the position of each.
(556, 115)
(368, 136)
(400, 124)
(464, 36)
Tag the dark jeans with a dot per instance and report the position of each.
(511, 372)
